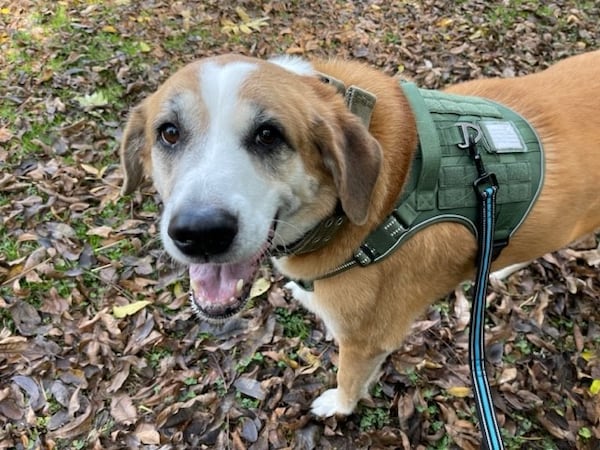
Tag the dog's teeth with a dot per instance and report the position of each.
(239, 286)
(195, 287)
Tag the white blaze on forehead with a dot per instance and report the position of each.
(220, 85)
(221, 157)
(215, 170)
(228, 116)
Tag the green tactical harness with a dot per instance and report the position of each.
(440, 184)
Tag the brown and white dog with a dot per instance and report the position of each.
(250, 154)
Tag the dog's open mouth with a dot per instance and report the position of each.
(220, 291)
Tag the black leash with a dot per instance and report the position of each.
(486, 187)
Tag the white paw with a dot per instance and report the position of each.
(329, 403)
(298, 293)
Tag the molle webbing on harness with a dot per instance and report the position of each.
(440, 184)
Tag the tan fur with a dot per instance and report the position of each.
(370, 310)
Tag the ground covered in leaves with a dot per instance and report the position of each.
(98, 347)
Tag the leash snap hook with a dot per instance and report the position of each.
(485, 182)
(468, 138)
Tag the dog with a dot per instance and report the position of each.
(250, 155)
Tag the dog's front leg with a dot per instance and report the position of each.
(358, 369)
(359, 360)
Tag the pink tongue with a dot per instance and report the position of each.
(218, 283)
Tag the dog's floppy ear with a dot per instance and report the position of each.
(353, 157)
(132, 149)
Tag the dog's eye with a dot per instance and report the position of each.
(267, 136)
(169, 133)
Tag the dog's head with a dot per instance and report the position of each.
(246, 155)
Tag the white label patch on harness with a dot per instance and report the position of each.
(502, 136)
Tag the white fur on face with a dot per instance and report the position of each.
(215, 170)
(213, 167)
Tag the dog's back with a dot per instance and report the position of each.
(563, 104)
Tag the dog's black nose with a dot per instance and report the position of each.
(204, 232)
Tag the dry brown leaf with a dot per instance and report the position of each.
(102, 231)
(79, 425)
(508, 374)
(462, 309)
(5, 135)
(147, 434)
(122, 409)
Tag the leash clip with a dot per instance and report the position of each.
(484, 182)
(469, 139)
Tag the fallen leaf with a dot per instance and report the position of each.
(592, 257)
(249, 430)
(90, 169)
(89, 101)
(74, 402)
(75, 427)
(29, 385)
(313, 361)
(247, 24)
(241, 12)
(130, 309)
(147, 434)
(508, 374)
(589, 355)
(102, 231)
(12, 404)
(144, 47)
(122, 409)
(459, 391)
(250, 387)
(5, 135)
(259, 287)
(445, 22)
